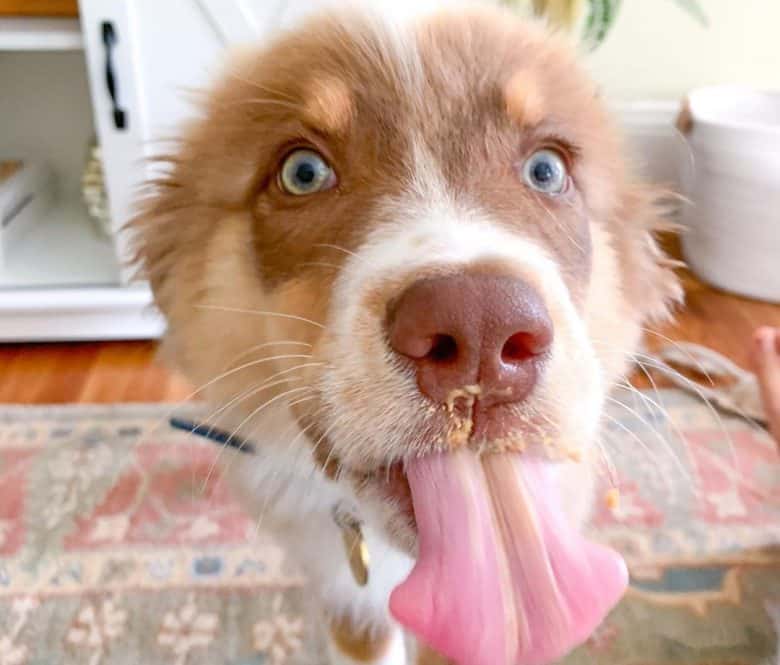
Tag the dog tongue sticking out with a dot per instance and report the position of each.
(502, 578)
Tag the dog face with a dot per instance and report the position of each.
(415, 237)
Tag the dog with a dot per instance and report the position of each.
(407, 258)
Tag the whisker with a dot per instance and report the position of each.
(298, 401)
(323, 438)
(264, 88)
(320, 264)
(603, 452)
(267, 500)
(681, 468)
(609, 463)
(235, 370)
(694, 387)
(212, 419)
(675, 376)
(561, 226)
(646, 399)
(276, 473)
(268, 383)
(264, 345)
(339, 248)
(255, 412)
(642, 444)
(264, 102)
(165, 419)
(691, 385)
(649, 377)
(669, 371)
(256, 312)
(702, 370)
(235, 432)
(731, 470)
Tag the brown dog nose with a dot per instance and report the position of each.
(470, 329)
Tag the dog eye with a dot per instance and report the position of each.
(305, 172)
(545, 171)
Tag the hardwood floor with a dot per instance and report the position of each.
(88, 373)
(719, 320)
(128, 372)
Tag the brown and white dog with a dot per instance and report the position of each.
(410, 255)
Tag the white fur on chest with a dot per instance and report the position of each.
(291, 498)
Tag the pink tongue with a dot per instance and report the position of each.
(501, 578)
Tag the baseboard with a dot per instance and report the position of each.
(52, 315)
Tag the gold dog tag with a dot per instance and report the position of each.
(357, 553)
(354, 545)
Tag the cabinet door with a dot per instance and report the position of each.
(156, 52)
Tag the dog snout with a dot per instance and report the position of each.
(472, 329)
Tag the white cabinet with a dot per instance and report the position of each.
(62, 279)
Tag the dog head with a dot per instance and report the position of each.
(418, 238)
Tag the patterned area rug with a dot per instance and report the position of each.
(119, 544)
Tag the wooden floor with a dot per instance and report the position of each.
(89, 373)
(128, 372)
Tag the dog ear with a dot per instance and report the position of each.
(650, 273)
(164, 227)
(209, 173)
(195, 254)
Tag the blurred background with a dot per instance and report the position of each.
(657, 51)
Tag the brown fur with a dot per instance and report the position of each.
(329, 106)
(524, 105)
(359, 644)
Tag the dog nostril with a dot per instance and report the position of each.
(444, 349)
(518, 348)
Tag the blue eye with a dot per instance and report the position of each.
(545, 171)
(306, 172)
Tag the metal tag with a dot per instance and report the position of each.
(354, 544)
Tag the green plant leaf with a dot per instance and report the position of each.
(694, 9)
(601, 17)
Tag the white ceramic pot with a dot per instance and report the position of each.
(733, 218)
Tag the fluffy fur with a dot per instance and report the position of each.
(277, 304)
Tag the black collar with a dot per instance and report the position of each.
(218, 436)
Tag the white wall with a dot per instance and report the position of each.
(656, 51)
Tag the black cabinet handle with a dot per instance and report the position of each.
(109, 41)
